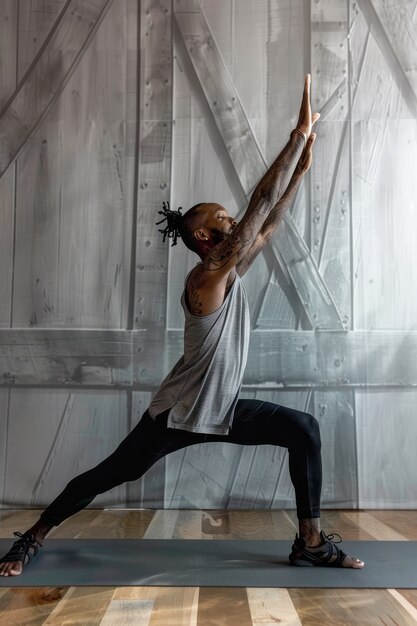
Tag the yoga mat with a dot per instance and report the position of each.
(208, 563)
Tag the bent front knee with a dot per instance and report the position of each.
(311, 429)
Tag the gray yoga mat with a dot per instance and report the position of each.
(209, 563)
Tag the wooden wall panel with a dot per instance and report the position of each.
(335, 411)
(72, 216)
(8, 82)
(279, 359)
(384, 191)
(394, 28)
(7, 194)
(48, 73)
(4, 424)
(238, 29)
(189, 101)
(52, 436)
(329, 213)
(154, 161)
(35, 23)
(386, 435)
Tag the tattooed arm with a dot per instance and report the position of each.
(227, 254)
(214, 276)
(211, 279)
(279, 210)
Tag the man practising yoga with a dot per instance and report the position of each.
(198, 400)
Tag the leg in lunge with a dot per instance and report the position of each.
(257, 422)
(312, 546)
(148, 442)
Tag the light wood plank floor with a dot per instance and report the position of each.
(210, 606)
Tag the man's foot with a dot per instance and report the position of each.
(22, 552)
(326, 554)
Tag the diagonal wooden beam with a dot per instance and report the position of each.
(389, 53)
(47, 75)
(248, 160)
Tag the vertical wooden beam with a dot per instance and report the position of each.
(154, 176)
(5, 395)
(154, 166)
(8, 81)
(335, 411)
(330, 229)
(330, 198)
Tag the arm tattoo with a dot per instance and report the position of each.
(277, 178)
(195, 301)
(226, 251)
(198, 299)
(279, 210)
(235, 245)
(270, 223)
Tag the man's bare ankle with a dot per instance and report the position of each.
(310, 531)
(312, 539)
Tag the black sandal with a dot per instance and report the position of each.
(329, 556)
(20, 549)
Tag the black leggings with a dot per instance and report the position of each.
(255, 422)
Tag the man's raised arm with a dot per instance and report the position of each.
(279, 210)
(267, 193)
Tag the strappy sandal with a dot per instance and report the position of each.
(20, 549)
(329, 555)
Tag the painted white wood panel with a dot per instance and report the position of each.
(52, 436)
(386, 440)
(384, 206)
(335, 411)
(8, 81)
(279, 358)
(73, 215)
(399, 23)
(83, 264)
(36, 19)
(4, 409)
(153, 163)
(241, 30)
(7, 191)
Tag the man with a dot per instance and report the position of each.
(198, 400)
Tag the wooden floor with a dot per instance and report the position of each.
(210, 606)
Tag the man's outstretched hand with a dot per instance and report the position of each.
(305, 119)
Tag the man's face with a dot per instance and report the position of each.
(217, 222)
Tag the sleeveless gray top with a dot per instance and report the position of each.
(202, 388)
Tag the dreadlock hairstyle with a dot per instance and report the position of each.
(179, 225)
(174, 221)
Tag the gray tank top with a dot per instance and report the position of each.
(202, 388)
